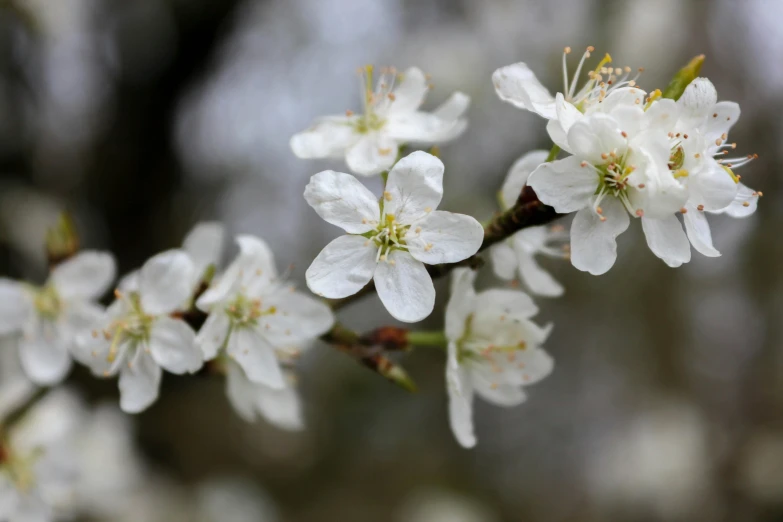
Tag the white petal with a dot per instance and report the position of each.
(453, 108)
(460, 390)
(342, 200)
(745, 203)
(504, 260)
(698, 231)
(422, 127)
(87, 275)
(165, 282)
(698, 99)
(15, 306)
(537, 280)
(212, 334)
(129, 282)
(461, 303)
(567, 113)
(595, 135)
(414, 187)
(44, 356)
(405, 287)
(564, 184)
(298, 318)
(660, 117)
(330, 137)
(538, 365)
(173, 346)
(410, 93)
(343, 267)
(667, 240)
(719, 121)
(444, 237)
(240, 392)
(594, 242)
(280, 407)
(518, 175)
(505, 395)
(712, 187)
(139, 385)
(499, 303)
(372, 154)
(204, 245)
(256, 357)
(517, 85)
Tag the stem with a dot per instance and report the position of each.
(435, 338)
(553, 152)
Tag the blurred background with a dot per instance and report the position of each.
(142, 117)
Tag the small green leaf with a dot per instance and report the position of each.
(683, 78)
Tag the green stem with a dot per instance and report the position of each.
(553, 152)
(435, 338)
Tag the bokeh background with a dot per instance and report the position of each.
(142, 117)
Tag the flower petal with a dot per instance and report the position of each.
(343, 267)
(212, 334)
(165, 282)
(204, 245)
(745, 203)
(404, 287)
(517, 85)
(240, 392)
(444, 237)
(698, 231)
(697, 100)
(564, 184)
(453, 108)
(372, 154)
(505, 395)
(518, 175)
(712, 187)
(15, 306)
(667, 240)
(330, 137)
(44, 355)
(280, 407)
(594, 135)
(410, 93)
(298, 318)
(422, 127)
(719, 122)
(537, 280)
(499, 304)
(461, 303)
(504, 260)
(342, 200)
(256, 357)
(460, 390)
(173, 346)
(139, 384)
(594, 242)
(414, 187)
(87, 275)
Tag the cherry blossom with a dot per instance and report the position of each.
(493, 350)
(391, 117)
(389, 240)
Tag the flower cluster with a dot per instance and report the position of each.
(632, 154)
(660, 157)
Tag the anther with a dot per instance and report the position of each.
(745, 204)
(684, 210)
(349, 113)
(624, 134)
(639, 212)
(642, 185)
(700, 208)
(567, 50)
(387, 195)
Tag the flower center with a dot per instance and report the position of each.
(246, 312)
(388, 235)
(18, 468)
(613, 180)
(600, 81)
(47, 302)
(128, 333)
(377, 101)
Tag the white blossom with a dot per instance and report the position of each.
(493, 350)
(253, 312)
(204, 245)
(48, 319)
(137, 336)
(517, 254)
(370, 141)
(389, 240)
(15, 386)
(618, 166)
(39, 467)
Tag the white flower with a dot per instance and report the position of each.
(204, 245)
(370, 141)
(279, 406)
(698, 147)
(517, 253)
(493, 351)
(137, 336)
(15, 386)
(618, 167)
(39, 465)
(605, 88)
(389, 241)
(50, 317)
(252, 312)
